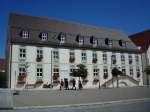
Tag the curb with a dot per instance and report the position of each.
(84, 104)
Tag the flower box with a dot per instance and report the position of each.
(94, 60)
(96, 80)
(56, 82)
(39, 81)
(71, 60)
(21, 82)
(38, 59)
(55, 76)
(21, 77)
(84, 81)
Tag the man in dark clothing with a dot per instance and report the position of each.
(74, 84)
(61, 84)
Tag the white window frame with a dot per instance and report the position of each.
(44, 36)
(22, 70)
(104, 58)
(122, 58)
(22, 53)
(137, 59)
(83, 56)
(95, 42)
(95, 72)
(123, 70)
(105, 72)
(81, 40)
(94, 55)
(25, 34)
(39, 52)
(56, 55)
(39, 71)
(62, 39)
(131, 71)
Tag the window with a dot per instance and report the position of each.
(39, 52)
(105, 70)
(131, 71)
(137, 59)
(81, 40)
(55, 73)
(104, 58)
(122, 59)
(110, 43)
(39, 71)
(95, 72)
(44, 36)
(62, 39)
(24, 34)
(94, 42)
(55, 55)
(122, 43)
(113, 59)
(123, 70)
(137, 72)
(130, 59)
(22, 70)
(83, 56)
(72, 56)
(22, 53)
(94, 55)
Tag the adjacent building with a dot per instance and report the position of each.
(142, 41)
(43, 51)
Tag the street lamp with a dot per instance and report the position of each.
(99, 79)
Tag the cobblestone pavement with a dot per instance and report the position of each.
(68, 97)
(140, 106)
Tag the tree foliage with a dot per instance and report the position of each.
(81, 71)
(115, 72)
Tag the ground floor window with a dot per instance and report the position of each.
(105, 70)
(39, 71)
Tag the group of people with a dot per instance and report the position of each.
(65, 84)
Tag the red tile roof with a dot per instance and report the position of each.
(2, 64)
(141, 39)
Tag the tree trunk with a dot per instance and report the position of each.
(113, 82)
(117, 82)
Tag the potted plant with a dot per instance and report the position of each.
(39, 81)
(72, 59)
(38, 59)
(94, 60)
(95, 80)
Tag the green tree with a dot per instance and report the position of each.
(147, 71)
(115, 73)
(80, 72)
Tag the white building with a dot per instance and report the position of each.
(43, 51)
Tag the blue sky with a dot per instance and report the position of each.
(130, 16)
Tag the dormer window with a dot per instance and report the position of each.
(122, 43)
(44, 36)
(24, 34)
(94, 41)
(80, 39)
(108, 42)
(61, 38)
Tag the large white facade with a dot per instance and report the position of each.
(48, 64)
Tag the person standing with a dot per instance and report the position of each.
(67, 84)
(80, 85)
(61, 84)
(74, 84)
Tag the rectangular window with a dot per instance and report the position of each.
(44, 36)
(110, 43)
(131, 71)
(94, 55)
(25, 34)
(22, 70)
(130, 59)
(95, 42)
(72, 54)
(123, 70)
(62, 39)
(95, 72)
(39, 52)
(122, 59)
(105, 71)
(39, 71)
(80, 40)
(55, 55)
(113, 59)
(104, 58)
(55, 73)
(137, 59)
(22, 53)
(83, 56)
